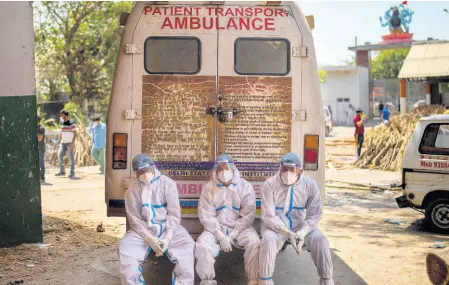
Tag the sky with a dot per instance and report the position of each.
(337, 23)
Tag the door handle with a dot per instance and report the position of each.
(223, 115)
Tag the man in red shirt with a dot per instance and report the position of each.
(359, 121)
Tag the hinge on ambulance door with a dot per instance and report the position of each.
(300, 115)
(126, 183)
(133, 114)
(300, 51)
(133, 48)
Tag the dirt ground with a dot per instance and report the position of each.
(365, 248)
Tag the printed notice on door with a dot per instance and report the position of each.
(262, 130)
(175, 127)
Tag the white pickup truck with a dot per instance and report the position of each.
(425, 172)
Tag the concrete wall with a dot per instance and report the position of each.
(20, 201)
(349, 82)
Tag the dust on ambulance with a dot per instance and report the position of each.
(197, 79)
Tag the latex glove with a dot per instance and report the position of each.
(154, 244)
(225, 242)
(163, 243)
(299, 237)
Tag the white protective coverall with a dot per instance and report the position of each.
(154, 210)
(292, 208)
(230, 210)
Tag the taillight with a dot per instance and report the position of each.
(311, 152)
(119, 150)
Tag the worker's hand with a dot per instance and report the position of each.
(225, 242)
(163, 243)
(154, 244)
(71, 146)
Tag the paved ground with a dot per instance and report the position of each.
(365, 249)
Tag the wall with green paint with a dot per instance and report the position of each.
(20, 200)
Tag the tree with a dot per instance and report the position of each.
(388, 63)
(323, 75)
(76, 47)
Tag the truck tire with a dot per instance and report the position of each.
(437, 215)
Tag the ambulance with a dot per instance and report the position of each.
(197, 79)
(425, 172)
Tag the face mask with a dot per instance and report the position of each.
(61, 119)
(225, 176)
(289, 177)
(146, 178)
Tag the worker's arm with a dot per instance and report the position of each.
(361, 122)
(269, 217)
(313, 209)
(133, 204)
(173, 209)
(247, 211)
(207, 211)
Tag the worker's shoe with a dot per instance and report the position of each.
(60, 174)
(72, 176)
(325, 281)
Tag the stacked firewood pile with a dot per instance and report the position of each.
(385, 146)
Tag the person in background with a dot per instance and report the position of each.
(385, 115)
(41, 146)
(67, 140)
(291, 211)
(330, 111)
(446, 110)
(359, 124)
(97, 132)
(381, 107)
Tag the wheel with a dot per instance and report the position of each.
(327, 131)
(437, 214)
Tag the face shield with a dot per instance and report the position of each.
(225, 171)
(290, 172)
(145, 174)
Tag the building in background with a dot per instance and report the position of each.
(345, 85)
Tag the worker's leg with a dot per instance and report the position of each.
(42, 163)
(269, 247)
(207, 249)
(361, 141)
(181, 252)
(95, 155)
(132, 251)
(318, 246)
(72, 161)
(249, 240)
(101, 158)
(62, 152)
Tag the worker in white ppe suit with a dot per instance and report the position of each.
(153, 212)
(291, 210)
(226, 209)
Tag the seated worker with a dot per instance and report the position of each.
(291, 210)
(153, 212)
(226, 209)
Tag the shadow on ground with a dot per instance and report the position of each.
(290, 270)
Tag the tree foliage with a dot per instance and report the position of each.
(323, 75)
(388, 63)
(76, 44)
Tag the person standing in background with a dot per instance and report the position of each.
(97, 132)
(41, 146)
(359, 133)
(381, 107)
(67, 143)
(385, 115)
(351, 113)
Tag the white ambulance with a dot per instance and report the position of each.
(197, 79)
(425, 171)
